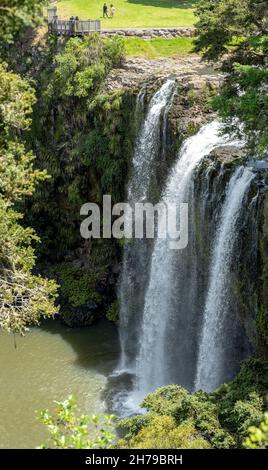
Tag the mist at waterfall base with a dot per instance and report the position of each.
(177, 322)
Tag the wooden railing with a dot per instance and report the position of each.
(73, 27)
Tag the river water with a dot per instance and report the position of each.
(50, 363)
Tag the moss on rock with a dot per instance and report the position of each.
(262, 319)
(112, 313)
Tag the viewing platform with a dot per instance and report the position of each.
(71, 27)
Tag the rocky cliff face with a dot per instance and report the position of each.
(88, 271)
(262, 285)
(135, 72)
(248, 275)
(95, 159)
(189, 110)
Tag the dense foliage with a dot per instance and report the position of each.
(24, 296)
(69, 429)
(219, 21)
(82, 65)
(15, 15)
(86, 148)
(177, 419)
(258, 436)
(78, 143)
(240, 30)
(82, 148)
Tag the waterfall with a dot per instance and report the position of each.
(217, 336)
(165, 122)
(136, 252)
(168, 339)
(180, 310)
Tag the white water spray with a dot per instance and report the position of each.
(211, 364)
(168, 327)
(135, 259)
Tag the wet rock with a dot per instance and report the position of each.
(227, 154)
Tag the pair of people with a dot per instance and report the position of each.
(105, 11)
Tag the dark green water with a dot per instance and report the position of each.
(50, 363)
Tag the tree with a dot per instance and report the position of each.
(15, 15)
(162, 432)
(238, 31)
(68, 430)
(258, 435)
(24, 297)
(221, 419)
(219, 21)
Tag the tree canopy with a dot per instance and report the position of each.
(238, 32)
(16, 14)
(24, 297)
(219, 21)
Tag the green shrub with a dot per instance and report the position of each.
(162, 432)
(76, 285)
(165, 400)
(68, 430)
(248, 385)
(219, 420)
(112, 312)
(258, 436)
(83, 64)
(204, 413)
(247, 412)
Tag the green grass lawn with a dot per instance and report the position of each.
(154, 48)
(132, 13)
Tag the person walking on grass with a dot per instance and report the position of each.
(105, 11)
(112, 11)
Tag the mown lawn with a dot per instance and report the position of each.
(158, 47)
(132, 13)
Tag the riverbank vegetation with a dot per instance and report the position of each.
(69, 429)
(234, 416)
(24, 295)
(202, 420)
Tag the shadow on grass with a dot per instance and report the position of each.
(178, 4)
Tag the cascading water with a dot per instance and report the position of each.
(179, 313)
(136, 252)
(218, 332)
(168, 336)
(165, 122)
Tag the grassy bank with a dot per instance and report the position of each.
(133, 13)
(155, 48)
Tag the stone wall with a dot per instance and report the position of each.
(150, 33)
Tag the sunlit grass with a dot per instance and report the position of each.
(132, 13)
(154, 48)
